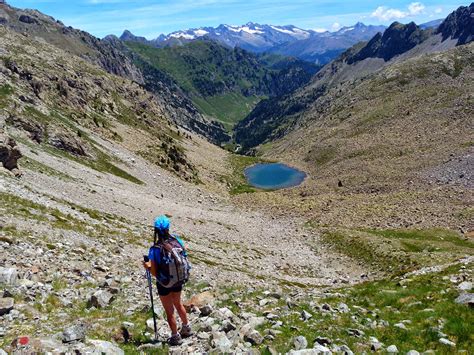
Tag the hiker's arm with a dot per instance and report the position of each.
(147, 265)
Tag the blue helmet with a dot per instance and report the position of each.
(162, 223)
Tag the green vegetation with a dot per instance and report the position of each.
(236, 181)
(224, 83)
(32, 164)
(28, 210)
(228, 108)
(101, 162)
(424, 302)
(399, 251)
(5, 91)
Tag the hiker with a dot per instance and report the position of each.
(168, 263)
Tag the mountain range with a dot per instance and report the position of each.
(372, 252)
(310, 45)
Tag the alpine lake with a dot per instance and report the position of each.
(273, 176)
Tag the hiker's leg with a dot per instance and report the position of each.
(167, 302)
(179, 306)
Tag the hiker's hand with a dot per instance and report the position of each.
(147, 265)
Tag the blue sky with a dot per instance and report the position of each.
(150, 18)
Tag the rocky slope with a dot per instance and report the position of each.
(274, 118)
(54, 100)
(112, 57)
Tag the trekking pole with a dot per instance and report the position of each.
(148, 276)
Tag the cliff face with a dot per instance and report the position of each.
(397, 39)
(459, 25)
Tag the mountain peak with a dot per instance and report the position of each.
(459, 25)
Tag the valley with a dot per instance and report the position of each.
(372, 252)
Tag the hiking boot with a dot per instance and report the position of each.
(186, 331)
(175, 340)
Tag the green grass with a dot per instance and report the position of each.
(5, 90)
(32, 164)
(216, 78)
(436, 235)
(395, 251)
(235, 180)
(228, 108)
(28, 210)
(102, 161)
(425, 301)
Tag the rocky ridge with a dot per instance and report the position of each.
(112, 57)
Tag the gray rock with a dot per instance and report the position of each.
(465, 298)
(221, 343)
(343, 308)
(343, 349)
(101, 299)
(227, 326)
(3, 352)
(106, 347)
(392, 349)
(465, 286)
(413, 352)
(321, 349)
(316, 351)
(306, 315)
(355, 332)
(300, 342)
(76, 332)
(375, 346)
(400, 326)
(448, 342)
(8, 276)
(323, 341)
(253, 337)
(206, 310)
(6, 305)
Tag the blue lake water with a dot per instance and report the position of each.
(273, 176)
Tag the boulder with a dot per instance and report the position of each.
(9, 152)
(465, 298)
(105, 347)
(8, 276)
(6, 305)
(67, 142)
(206, 310)
(75, 332)
(221, 343)
(101, 299)
(300, 342)
(448, 342)
(227, 326)
(253, 337)
(27, 19)
(306, 315)
(321, 349)
(465, 286)
(392, 349)
(317, 350)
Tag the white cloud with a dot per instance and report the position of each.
(438, 10)
(336, 26)
(415, 8)
(384, 13)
